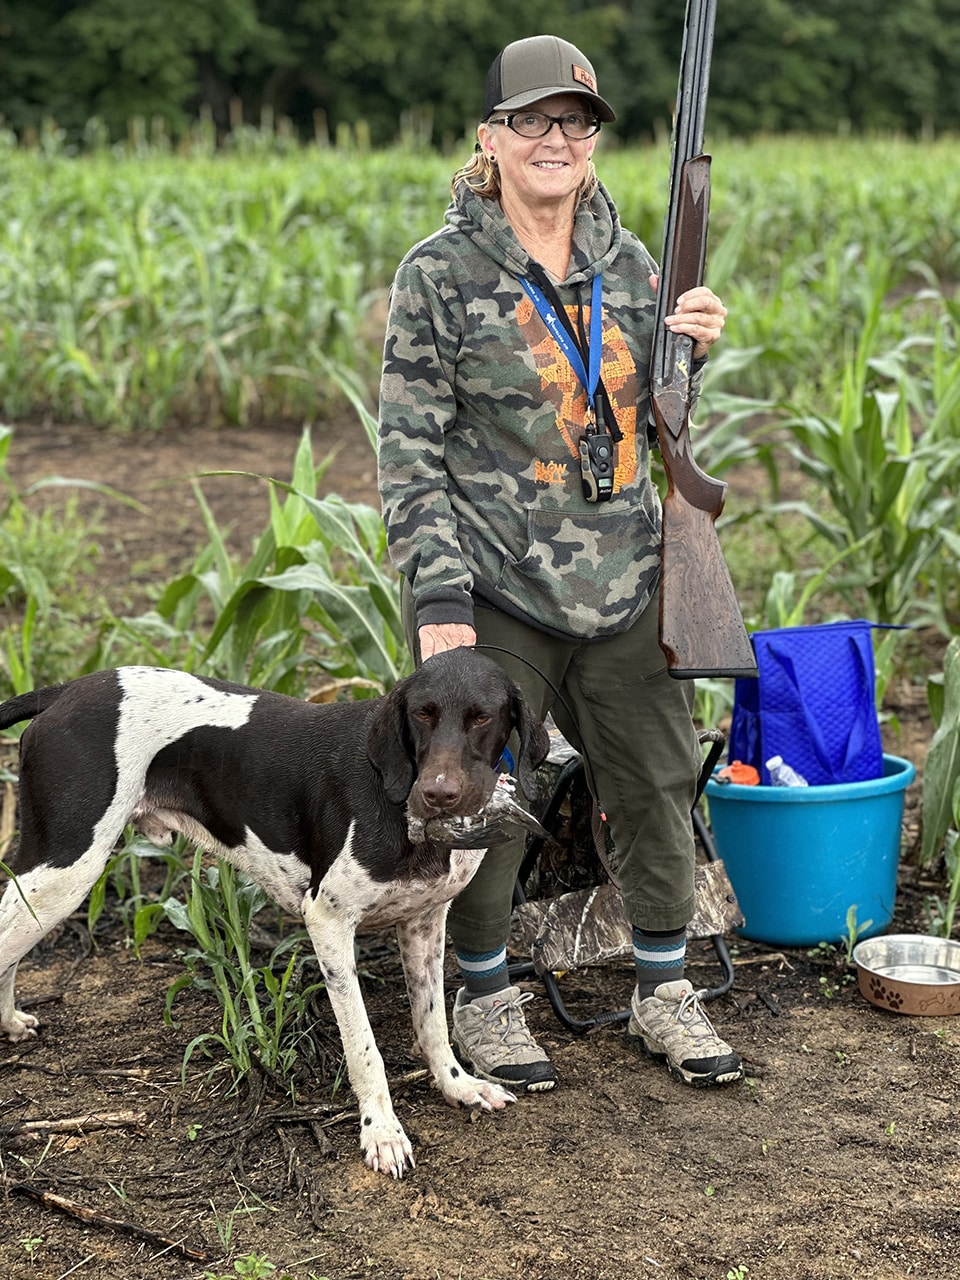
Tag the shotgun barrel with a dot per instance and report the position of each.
(701, 627)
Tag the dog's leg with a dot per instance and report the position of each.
(52, 893)
(421, 951)
(385, 1146)
(14, 1023)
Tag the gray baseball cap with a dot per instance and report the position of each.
(539, 67)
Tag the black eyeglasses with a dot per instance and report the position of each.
(535, 124)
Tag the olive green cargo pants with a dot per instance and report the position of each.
(633, 723)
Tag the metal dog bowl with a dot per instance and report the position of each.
(910, 973)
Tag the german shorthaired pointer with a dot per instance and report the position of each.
(315, 802)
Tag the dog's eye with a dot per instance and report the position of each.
(478, 719)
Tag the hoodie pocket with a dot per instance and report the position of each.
(585, 574)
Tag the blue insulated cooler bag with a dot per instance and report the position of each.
(813, 703)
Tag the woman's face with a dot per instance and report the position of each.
(540, 171)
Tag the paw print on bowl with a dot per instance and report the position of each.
(882, 994)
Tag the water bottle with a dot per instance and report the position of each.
(781, 775)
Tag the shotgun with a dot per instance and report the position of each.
(701, 628)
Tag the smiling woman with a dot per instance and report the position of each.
(519, 507)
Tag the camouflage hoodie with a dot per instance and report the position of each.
(480, 419)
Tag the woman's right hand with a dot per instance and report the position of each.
(439, 637)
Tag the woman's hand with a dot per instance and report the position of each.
(439, 637)
(699, 314)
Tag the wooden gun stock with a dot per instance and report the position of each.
(701, 628)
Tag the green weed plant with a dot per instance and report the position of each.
(139, 908)
(941, 772)
(264, 1008)
(47, 561)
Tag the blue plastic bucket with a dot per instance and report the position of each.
(799, 857)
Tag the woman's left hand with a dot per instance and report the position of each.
(699, 314)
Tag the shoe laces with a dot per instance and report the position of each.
(690, 1009)
(506, 1019)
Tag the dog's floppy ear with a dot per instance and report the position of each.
(534, 742)
(389, 748)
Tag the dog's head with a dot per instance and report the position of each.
(438, 736)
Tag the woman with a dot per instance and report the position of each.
(509, 531)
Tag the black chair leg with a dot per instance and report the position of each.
(719, 942)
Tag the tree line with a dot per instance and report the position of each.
(401, 66)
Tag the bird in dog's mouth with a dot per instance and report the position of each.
(498, 819)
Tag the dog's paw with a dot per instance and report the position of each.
(463, 1090)
(21, 1026)
(386, 1148)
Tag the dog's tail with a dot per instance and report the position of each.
(28, 705)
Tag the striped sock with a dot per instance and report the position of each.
(659, 957)
(483, 972)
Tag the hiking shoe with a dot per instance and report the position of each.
(491, 1038)
(671, 1026)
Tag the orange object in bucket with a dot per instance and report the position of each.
(744, 775)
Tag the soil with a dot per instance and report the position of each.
(839, 1156)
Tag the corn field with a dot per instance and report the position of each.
(138, 288)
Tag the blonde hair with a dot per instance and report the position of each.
(481, 176)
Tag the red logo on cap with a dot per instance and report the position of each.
(584, 77)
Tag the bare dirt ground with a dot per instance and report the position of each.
(838, 1157)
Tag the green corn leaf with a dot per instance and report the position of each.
(145, 923)
(942, 768)
(353, 613)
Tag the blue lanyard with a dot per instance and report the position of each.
(590, 379)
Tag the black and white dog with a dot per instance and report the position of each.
(312, 801)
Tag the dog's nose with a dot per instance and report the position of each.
(441, 792)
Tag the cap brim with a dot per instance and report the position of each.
(602, 110)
